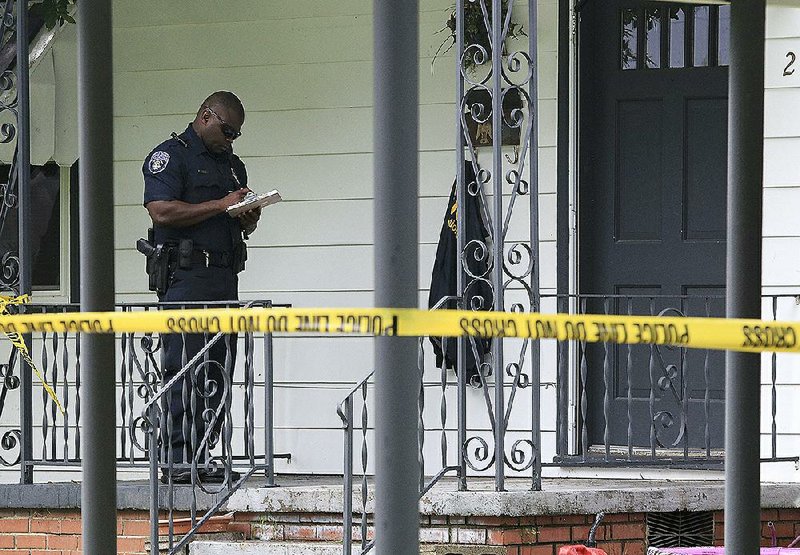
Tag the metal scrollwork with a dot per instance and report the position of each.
(150, 384)
(520, 378)
(145, 389)
(9, 270)
(206, 388)
(479, 300)
(474, 256)
(9, 261)
(521, 187)
(10, 441)
(516, 116)
(476, 188)
(520, 459)
(495, 92)
(10, 381)
(209, 417)
(203, 388)
(9, 102)
(669, 382)
(518, 62)
(7, 133)
(483, 457)
(152, 376)
(149, 345)
(519, 262)
(144, 425)
(664, 420)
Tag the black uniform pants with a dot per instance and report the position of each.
(194, 399)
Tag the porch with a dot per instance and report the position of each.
(304, 515)
(577, 423)
(675, 470)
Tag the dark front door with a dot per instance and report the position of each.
(652, 203)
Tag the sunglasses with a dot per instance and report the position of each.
(227, 130)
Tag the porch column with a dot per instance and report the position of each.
(24, 232)
(745, 182)
(396, 186)
(95, 124)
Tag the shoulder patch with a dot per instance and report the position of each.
(158, 161)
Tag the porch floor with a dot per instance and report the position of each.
(323, 494)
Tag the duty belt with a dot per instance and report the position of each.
(210, 258)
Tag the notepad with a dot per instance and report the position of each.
(253, 200)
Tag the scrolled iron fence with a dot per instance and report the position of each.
(218, 444)
(674, 420)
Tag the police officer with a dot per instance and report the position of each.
(190, 180)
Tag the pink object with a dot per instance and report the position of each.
(580, 550)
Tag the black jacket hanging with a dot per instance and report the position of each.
(443, 277)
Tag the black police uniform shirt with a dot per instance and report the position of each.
(185, 170)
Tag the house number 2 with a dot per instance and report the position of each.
(788, 70)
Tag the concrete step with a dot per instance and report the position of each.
(163, 543)
(266, 548)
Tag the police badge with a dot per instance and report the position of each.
(158, 161)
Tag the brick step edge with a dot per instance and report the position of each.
(267, 548)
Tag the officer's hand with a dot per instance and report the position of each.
(233, 197)
(249, 219)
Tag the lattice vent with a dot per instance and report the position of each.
(680, 529)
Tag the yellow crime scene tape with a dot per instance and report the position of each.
(701, 333)
(17, 341)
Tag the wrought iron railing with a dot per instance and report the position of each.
(56, 436)
(473, 445)
(354, 412)
(498, 265)
(214, 448)
(616, 404)
(207, 454)
(640, 405)
(346, 411)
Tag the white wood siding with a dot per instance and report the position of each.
(304, 73)
(781, 264)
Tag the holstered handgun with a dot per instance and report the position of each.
(239, 257)
(157, 265)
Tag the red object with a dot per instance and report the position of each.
(580, 550)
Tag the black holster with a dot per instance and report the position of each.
(157, 265)
(239, 257)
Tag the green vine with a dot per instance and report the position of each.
(475, 31)
(53, 11)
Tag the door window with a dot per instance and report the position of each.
(674, 36)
